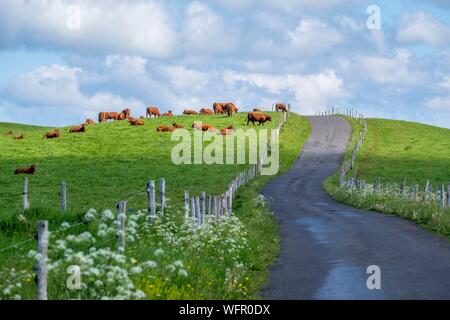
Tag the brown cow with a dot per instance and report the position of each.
(28, 170)
(78, 129)
(203, 127)
(153, 111)
(89, 121)
(52, 134)
(167, 114)
(125, 114)
(178, 126)
(165, 129)
(227, 131)
(21, 137)
(189, 112)
(136, 122)
(218, 107)
(258, 117)
(206, 112)
(105, 116)
(230, 108)
(281, 107)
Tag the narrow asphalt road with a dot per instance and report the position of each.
(326, 247)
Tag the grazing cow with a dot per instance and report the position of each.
(178, 126)
(89, 121)
(206, 112)
(28, 170)
(153, 111)
(78, 129)
(8, 133)
(105, 116)
(227, 131)
(189, 112)
(21, 137)
(127, 113)
(218, 107)
(257, 110)
(167, 114)
(136, 122)
(196, 125)
(165, 129)
(230, 108)
(208, 127)
(52, 134)
(203, 127)
(281, 107)
(258, 117)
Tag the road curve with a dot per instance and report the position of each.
(326, 247)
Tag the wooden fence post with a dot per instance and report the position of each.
(193, 211)
(151, 199)
(162, 195)
(186, 206)
(209, 205)
(197, 210)
(42, 272)
(122, 233)
(230, 201)
(63, 197)
(403, 189)
(448, 195)
(202, 206)
(25, 203)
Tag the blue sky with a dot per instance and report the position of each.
(63, 61)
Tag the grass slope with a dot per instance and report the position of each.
(394, 150)
(112, 161)
(397, 149)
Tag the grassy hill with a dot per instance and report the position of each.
(113, 161)
(397, 149)
(394, 150)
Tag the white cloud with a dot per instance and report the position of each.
(131, 27)
(287, 5)
(394, 70)
(420, 27)
(312, 37)
(439, 103)
(311, 92)
(204, 32)
(56, 89)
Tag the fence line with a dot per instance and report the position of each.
(439, 197)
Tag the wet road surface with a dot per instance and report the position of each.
(326, 247)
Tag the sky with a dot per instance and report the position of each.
(62, 61)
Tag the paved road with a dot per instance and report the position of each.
(326, 247)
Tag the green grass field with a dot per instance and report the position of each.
(397, 149)
(394, 150)
(115, 160)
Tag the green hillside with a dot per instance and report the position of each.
(104, 165)
(396, 149)
(113, 161)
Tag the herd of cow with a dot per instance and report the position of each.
(228, 108)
